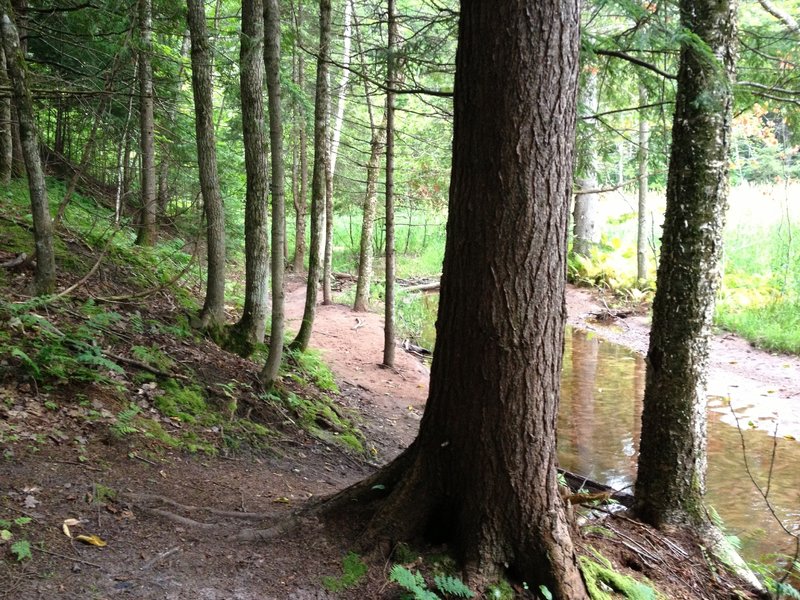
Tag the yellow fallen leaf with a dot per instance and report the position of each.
(789, 437)
(65, 529)
(282, 499)
(92, 540)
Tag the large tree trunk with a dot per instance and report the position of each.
(250, 328)
(321, 102)
(45, 273)
(212, 316)
(364, 279)
(6, 139)
(672, 460)
(327, 271)
(586, 230)
(272, 59)
(389, 281)
(146, 235)
(482, 473)
(641, 216)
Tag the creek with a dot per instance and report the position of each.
(598, 436)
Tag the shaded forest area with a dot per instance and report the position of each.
(181, 181)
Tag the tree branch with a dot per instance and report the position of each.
(636, 61)
(781, 15)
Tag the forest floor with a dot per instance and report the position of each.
(179, 525)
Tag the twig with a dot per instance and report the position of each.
(72, 462)
(72, 558)
(158, 558)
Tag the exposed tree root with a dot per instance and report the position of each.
(187, 508)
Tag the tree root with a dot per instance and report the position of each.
(187, 508)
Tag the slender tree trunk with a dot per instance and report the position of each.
(163, 166)
(672, 459)
(20, 11)
(250, 328)
(321, 102)
(45, 273)
(481, 476)
(641, 218)
(212, 316)
(272, 59)
(6, 139)
(586, 232)
(299, 200)
(364, 279)
(146, 235)
(391, 82)
(335, 137)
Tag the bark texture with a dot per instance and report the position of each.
(391, 81)
(300, 183)
(45, 273)
(321, 101)
(6, 139)
(250, 328)
(146, 235)
(482, 473)
(336, 134)
(212, 315)
(272, 60)
(672, 460)
(641, 216)
(586, 230)
(364, 279)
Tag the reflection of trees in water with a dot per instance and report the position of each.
(600, 425)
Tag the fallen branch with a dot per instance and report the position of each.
(146, 367)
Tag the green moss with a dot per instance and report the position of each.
(601, 579)
(185, 402)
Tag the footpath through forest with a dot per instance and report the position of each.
(218, 527)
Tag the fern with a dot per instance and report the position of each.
(452, 586)
(124, 424)
(17, 353)
(412, 582)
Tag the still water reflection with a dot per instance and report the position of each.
(598, 436)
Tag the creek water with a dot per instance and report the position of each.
(598, 436)
(600, 422)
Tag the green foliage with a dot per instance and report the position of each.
(311, 368)
(183, 401)
(21, 549)
(353, 571)
(123, 425)
(416, 586)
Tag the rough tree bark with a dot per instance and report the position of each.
(391, 80)
(672, 459)
(321, 101)
(299, 199)
(336, 134)
(250, 328)
(272, 60)
(586, 231)
(641, 216)
(6, 139)
(481, 475)
(146, 235)
(45, 274)
(364, 279)
(212, 316)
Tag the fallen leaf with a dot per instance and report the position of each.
(30, 501)
(282, 499)
(790, 437)
(93, 540)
